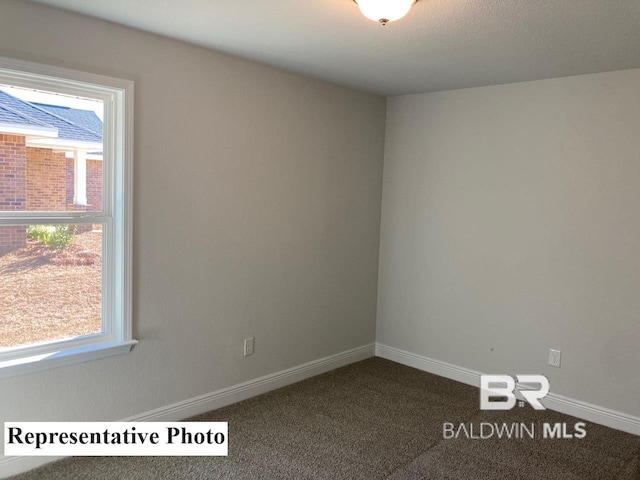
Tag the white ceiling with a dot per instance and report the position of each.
(440, 45)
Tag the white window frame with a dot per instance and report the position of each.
(116, 216)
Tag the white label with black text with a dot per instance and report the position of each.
(115, 439)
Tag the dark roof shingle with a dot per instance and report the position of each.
(13, 117)
(84, 118)
(40, 116)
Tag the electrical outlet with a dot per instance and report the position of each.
(554, 357)
(248, 346)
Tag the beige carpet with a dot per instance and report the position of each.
(374, 420)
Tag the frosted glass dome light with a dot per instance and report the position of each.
(384, 11)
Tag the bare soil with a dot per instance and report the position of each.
(48, 294)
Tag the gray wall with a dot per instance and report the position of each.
(257, 213)
(510, 225)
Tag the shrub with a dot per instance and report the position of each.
(53, 236)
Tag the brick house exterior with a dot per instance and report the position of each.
(13, 186)
(46, 180)
(35, 176)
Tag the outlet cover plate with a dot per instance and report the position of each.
(554, 357)
(248, 346)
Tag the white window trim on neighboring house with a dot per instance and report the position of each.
(116, 215)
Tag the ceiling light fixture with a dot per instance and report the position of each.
(385, 11)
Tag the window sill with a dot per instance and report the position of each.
(68, 356)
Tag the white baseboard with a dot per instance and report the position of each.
(242, 391)
(443, 369)
(15, 465)
(592, 413)
(211, 401)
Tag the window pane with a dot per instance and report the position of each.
(50, 283)
(50, 152)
